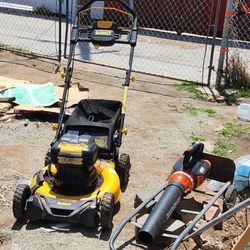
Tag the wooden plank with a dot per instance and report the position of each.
(38, 110)
(244, 240)
(5, 81)
(4, 107)
(74, 94)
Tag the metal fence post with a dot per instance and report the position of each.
(224, 42)
(216, 24)
(66, 30)
(60, 32)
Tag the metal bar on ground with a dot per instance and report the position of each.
(131, 215)
(199, 216)
(221, 217)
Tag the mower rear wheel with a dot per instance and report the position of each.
(106, 209)
(22, 193)
(123, 168)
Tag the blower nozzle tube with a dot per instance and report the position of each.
(179, 183)
(155, 222)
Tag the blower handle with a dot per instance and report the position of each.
(192, 155)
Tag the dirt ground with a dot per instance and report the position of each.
(160, 129)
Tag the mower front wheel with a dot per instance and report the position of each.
(106, 211)
(123, 168)
(22, 193)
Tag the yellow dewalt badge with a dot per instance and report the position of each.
(65, 160)
(103, 32)
(63, 203)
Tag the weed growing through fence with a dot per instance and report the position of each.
(243, 92)
(237, 76)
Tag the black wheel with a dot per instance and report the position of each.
(123, 168)
(22, 193)
(106, 210)
(47, 159)
(230, 197)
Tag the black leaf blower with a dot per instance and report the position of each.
(189, 172)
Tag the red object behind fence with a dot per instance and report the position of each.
(192, 16)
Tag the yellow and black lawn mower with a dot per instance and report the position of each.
(84, 173)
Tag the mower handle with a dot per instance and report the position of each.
(90, 2)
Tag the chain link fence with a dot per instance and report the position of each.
(175, 36)
(116, 55)
(30, 27)
(174, 39)
(237, 66)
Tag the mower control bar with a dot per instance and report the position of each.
(103, 37)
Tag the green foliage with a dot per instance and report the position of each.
(237, 76)
(194, 111)
(242, 92)
(191, 109)
(231, 130)
(245, 129)
(190, 87)
(210, 112)
(197, 138)
(223, 147)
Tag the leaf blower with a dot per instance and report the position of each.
(188, 174)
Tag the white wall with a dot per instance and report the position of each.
(52, 5)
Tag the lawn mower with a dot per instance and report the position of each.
(161, 218)
(84, 174)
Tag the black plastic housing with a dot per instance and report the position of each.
(74, 157)
(169, 200)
